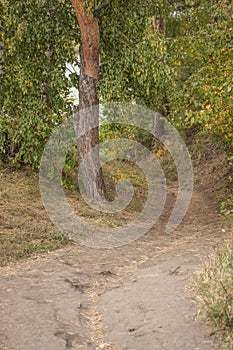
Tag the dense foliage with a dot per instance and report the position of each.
(38, 40)
(190, 67)
(206, 95)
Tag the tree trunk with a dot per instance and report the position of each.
(1, 63)
(160, 26)
(1, 58)
(92, 181)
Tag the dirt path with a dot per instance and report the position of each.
(131, 297)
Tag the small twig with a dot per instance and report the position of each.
(229, 296)
(174, 272)
(217, 331)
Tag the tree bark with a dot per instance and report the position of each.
(88, 111)
(1, 58)
(160, 26)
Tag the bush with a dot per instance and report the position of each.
(213, 287)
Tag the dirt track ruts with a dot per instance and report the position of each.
(131, 297)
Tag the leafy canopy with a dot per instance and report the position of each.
(191, 66)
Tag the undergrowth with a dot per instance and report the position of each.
(213, 288)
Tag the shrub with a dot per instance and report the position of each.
(213, 287)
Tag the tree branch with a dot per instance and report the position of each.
(102, 6)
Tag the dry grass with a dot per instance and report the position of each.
(213, 287)
(25, 228)
(114, 172)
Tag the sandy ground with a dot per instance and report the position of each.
(132, 297)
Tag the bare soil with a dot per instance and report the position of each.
(132, 297)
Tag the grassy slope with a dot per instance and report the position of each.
(26, 230)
